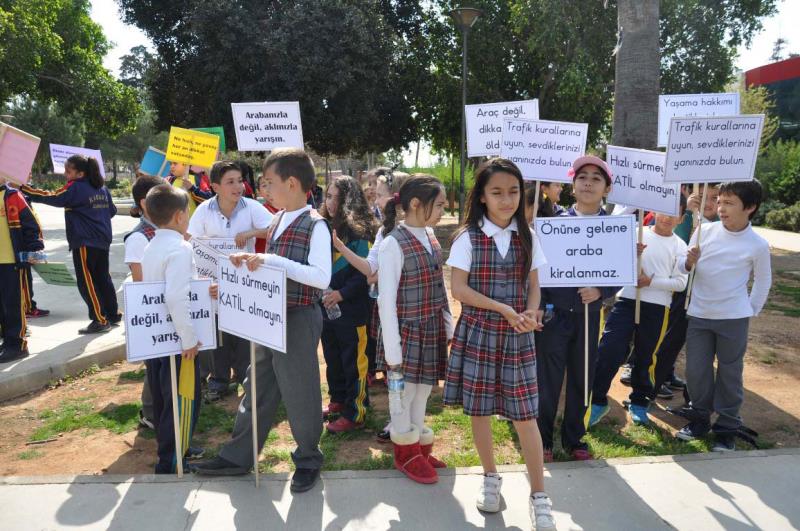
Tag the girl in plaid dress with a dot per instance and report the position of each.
(415, 318)
(492, 366)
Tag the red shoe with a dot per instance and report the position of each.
(581, 454)
(408, 458)
(38, 312)
(343, 424)
(426, 447)
(548, 455)
(334, 408)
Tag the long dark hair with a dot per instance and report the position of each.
(421, 186)
(547, 208)
(353, 219)
(476, 209)
(89, 167)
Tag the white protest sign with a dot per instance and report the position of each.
(588, 251)
(639, 180)
(485, 124)
(206, 260)
(692, 105)
(252, 304)
(222, 246)
(267, 125)
(59, 155)
(703, 150)
(543, 150)
(149, 332)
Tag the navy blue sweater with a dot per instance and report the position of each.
(87, 212)
(568, 299)
(352, 285)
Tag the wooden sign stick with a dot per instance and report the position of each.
(253, 408)
(175, 416)
(699, 231)
(586, 355)
(638, 310)
(536, 200)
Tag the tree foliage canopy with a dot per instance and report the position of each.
(52, 51)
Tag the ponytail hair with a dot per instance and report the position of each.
(89, 167)
(420, 186)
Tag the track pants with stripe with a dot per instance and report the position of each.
(12, 306)
(615, 343)
(344, 347)
(94, 282)
(30, 304)
(673, 343)
(560, 349)
(159, 378)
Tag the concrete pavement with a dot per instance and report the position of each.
(780, 239)
(738, 491)
(56, 348)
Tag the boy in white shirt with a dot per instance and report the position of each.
(720, 310)
(169, 258)
(659, 278)
(228, 215)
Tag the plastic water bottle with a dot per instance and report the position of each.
(373, 291)
(334, 312)
(548, 313)
(33, 256)
(397, 385)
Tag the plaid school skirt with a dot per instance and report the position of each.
(424, 345)
(374, 320)
(492, 369)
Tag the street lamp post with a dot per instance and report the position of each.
(464, 18)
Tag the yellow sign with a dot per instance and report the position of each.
(192, 147)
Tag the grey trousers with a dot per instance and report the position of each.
(292, 378)
(147, 401)
(723, 393)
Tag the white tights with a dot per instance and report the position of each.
(415, 399)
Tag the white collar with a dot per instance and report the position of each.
(169, 233)
(490, 229)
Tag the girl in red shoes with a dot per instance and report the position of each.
(415, 320)
(492, 366)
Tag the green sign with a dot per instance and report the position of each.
(55, 273)
(218, 130)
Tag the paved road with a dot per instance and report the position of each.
(743, 491)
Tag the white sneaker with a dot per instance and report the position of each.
(541, 509)
(489, 497)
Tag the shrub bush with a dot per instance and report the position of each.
(785, 218)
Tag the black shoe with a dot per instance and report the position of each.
(304, 479)
(116, 320)
(724, 442)
(693, 430)
(195, 452)
(665, 392)
(383, 437)
(95, 327)
(676, 383)
(625, 377)
(218, 467)
(9, 354)
(146, 422)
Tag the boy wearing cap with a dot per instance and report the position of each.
(560, 343)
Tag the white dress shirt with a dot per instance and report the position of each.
(461, 250)
(208, 221)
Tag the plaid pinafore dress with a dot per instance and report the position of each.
(492, 368)
(421, 299)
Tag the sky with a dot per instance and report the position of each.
(125, 37)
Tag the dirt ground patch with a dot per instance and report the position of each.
(88, 422)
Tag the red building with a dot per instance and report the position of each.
(782, 79)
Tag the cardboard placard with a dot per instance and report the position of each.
(17, 153)
(722, 148)
(543, 150)
(206, 260)
(149, 332)
(154, 160)
(222, 246)
(60, 153)
(693, 105)
(252, 304)
(639, 180)
(485, 124)
(265, 126)
(588, 251)
(192, 147)
(55, 273)
(216, 130)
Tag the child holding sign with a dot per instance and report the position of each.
(660, 277)
(88, 210)
(229, 215)
(415, 320)
(300, 243)
(19, 233)
(492, 366)
(561, 342)
(198, 188)
(720, 310)
(344, 336)
(169, 258)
